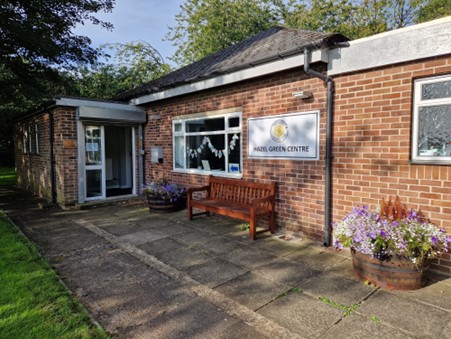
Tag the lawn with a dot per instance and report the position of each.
(7, 176)
(33, 302)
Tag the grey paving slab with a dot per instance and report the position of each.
(107, 270)
(277, 246)
(215, 272)
(252, 290)
(125, 307)
(141, 237)
(249, 256)
(215, 224)
(184, 257)
(446, 331)
(220, 245)
(194, 236)
(302, 314)
(172, 228)
(194, 319)
(409, 315)
(358, 327)
(287, 272)
(119, 227)
(438, 294)
(344, 268)
(64, 239)
(338, 288)
(160, 246)
(316, 257)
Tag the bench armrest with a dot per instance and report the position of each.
(198, 189)
(258, 201)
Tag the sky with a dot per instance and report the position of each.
(134, 20)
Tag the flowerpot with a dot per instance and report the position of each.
(162, 206)
(393, 274)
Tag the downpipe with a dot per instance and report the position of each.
(328, 170)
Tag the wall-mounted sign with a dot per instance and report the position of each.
(290, 136)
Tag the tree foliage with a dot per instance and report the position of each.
(37, 42)
(207, 26)
(132, 64)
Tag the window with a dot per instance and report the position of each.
(30, 139)
(431, 134)
(36, 131)
(208, 144)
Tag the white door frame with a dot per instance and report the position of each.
(100, 167)
(82, 167)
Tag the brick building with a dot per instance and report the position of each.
(354, 124)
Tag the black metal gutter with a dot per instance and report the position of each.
(52, 158)
(328, 170)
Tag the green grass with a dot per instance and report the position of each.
(33, 302)
(7, 176)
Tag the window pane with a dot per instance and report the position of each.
(93, 144)
(179, 149)
(205, 125)
(234, 122)
(206, 152)
(436, 90)
(93, 183)
(233, 140)
(434, 135)
(177, 127)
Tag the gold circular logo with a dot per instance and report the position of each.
(279, 130)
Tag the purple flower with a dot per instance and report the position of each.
(383, 234)
(434, 240)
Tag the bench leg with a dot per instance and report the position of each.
(252, 224)
(272, 223)
(190, 213)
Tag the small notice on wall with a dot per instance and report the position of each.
(289, 136)
(69, 144)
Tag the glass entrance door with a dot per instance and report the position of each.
(94, 162)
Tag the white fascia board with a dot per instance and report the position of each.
(416, 42)
(73, 102)
(233, 77)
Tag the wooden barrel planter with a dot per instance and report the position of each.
(162, 206)
(393, 274)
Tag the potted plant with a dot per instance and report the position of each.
(391, 247)
(164, 196)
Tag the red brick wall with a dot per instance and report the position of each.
(65, 155)
(372, 140)
(300, 183)
(33, 170)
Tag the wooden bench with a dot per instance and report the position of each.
(238, 199)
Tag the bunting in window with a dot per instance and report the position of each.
(193, 153)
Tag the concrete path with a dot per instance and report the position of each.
(143, 275)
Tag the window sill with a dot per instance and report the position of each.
(431, 161)
(215, 173)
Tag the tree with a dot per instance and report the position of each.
(36, 44)
(132, 64)
(207, 26)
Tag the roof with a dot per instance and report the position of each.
(267, 46)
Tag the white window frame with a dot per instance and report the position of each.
(227, 130)
(36, 130)
(30, 140)
(25, 139)
(417, 104)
